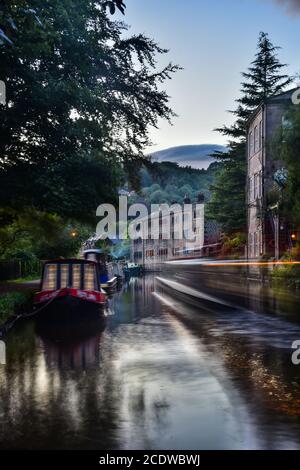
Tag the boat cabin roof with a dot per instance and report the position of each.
(69, 261)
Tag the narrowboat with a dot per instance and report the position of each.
(132, 270)
(108, 281)
(70, 289)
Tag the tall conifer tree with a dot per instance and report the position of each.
(263, 79)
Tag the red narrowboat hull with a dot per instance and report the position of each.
(84, 295)
(69, 304)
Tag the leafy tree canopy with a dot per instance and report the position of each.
(78, 87)
(35, 234)
(167, 182)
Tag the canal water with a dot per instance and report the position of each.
(156, 374)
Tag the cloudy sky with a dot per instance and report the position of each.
(214, 41)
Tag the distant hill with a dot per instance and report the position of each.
(196, 156)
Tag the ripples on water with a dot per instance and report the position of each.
(155, 374)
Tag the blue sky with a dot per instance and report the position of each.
(214, 41)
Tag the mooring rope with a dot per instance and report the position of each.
(13, 319)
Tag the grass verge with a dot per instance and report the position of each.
(32, 277)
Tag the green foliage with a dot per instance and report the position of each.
(167, 182)
(263, 79)
(71, 188)
(287, 276)
(81, 95)
(35, 234)
(228, 202)
(233, 246)
(11, 303)
(286, 147)
(159, 197)
(113, 4)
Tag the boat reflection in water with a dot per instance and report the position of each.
(72, 346)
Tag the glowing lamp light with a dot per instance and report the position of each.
(73, 234)
(293, 236)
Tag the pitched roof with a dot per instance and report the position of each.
(280, 98)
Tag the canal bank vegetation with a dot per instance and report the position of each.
(233, 246)
(288, 275)
(32, 235)
(286, 148)
(12, 303)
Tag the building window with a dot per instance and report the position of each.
(251, 188)
(251, 144)
(259, 184)
(250, 245)
(256, 140)
(256, 245)
(255, 186)
(256, 191)
(260, 135)
(163, 252)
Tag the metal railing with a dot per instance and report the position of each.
(16, 269)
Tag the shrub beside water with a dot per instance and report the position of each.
(11, 303)
(234, 246)
(288, 276)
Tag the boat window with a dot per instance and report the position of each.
(64, 276)
(50, 277)
(89, 277)
(76, 276)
